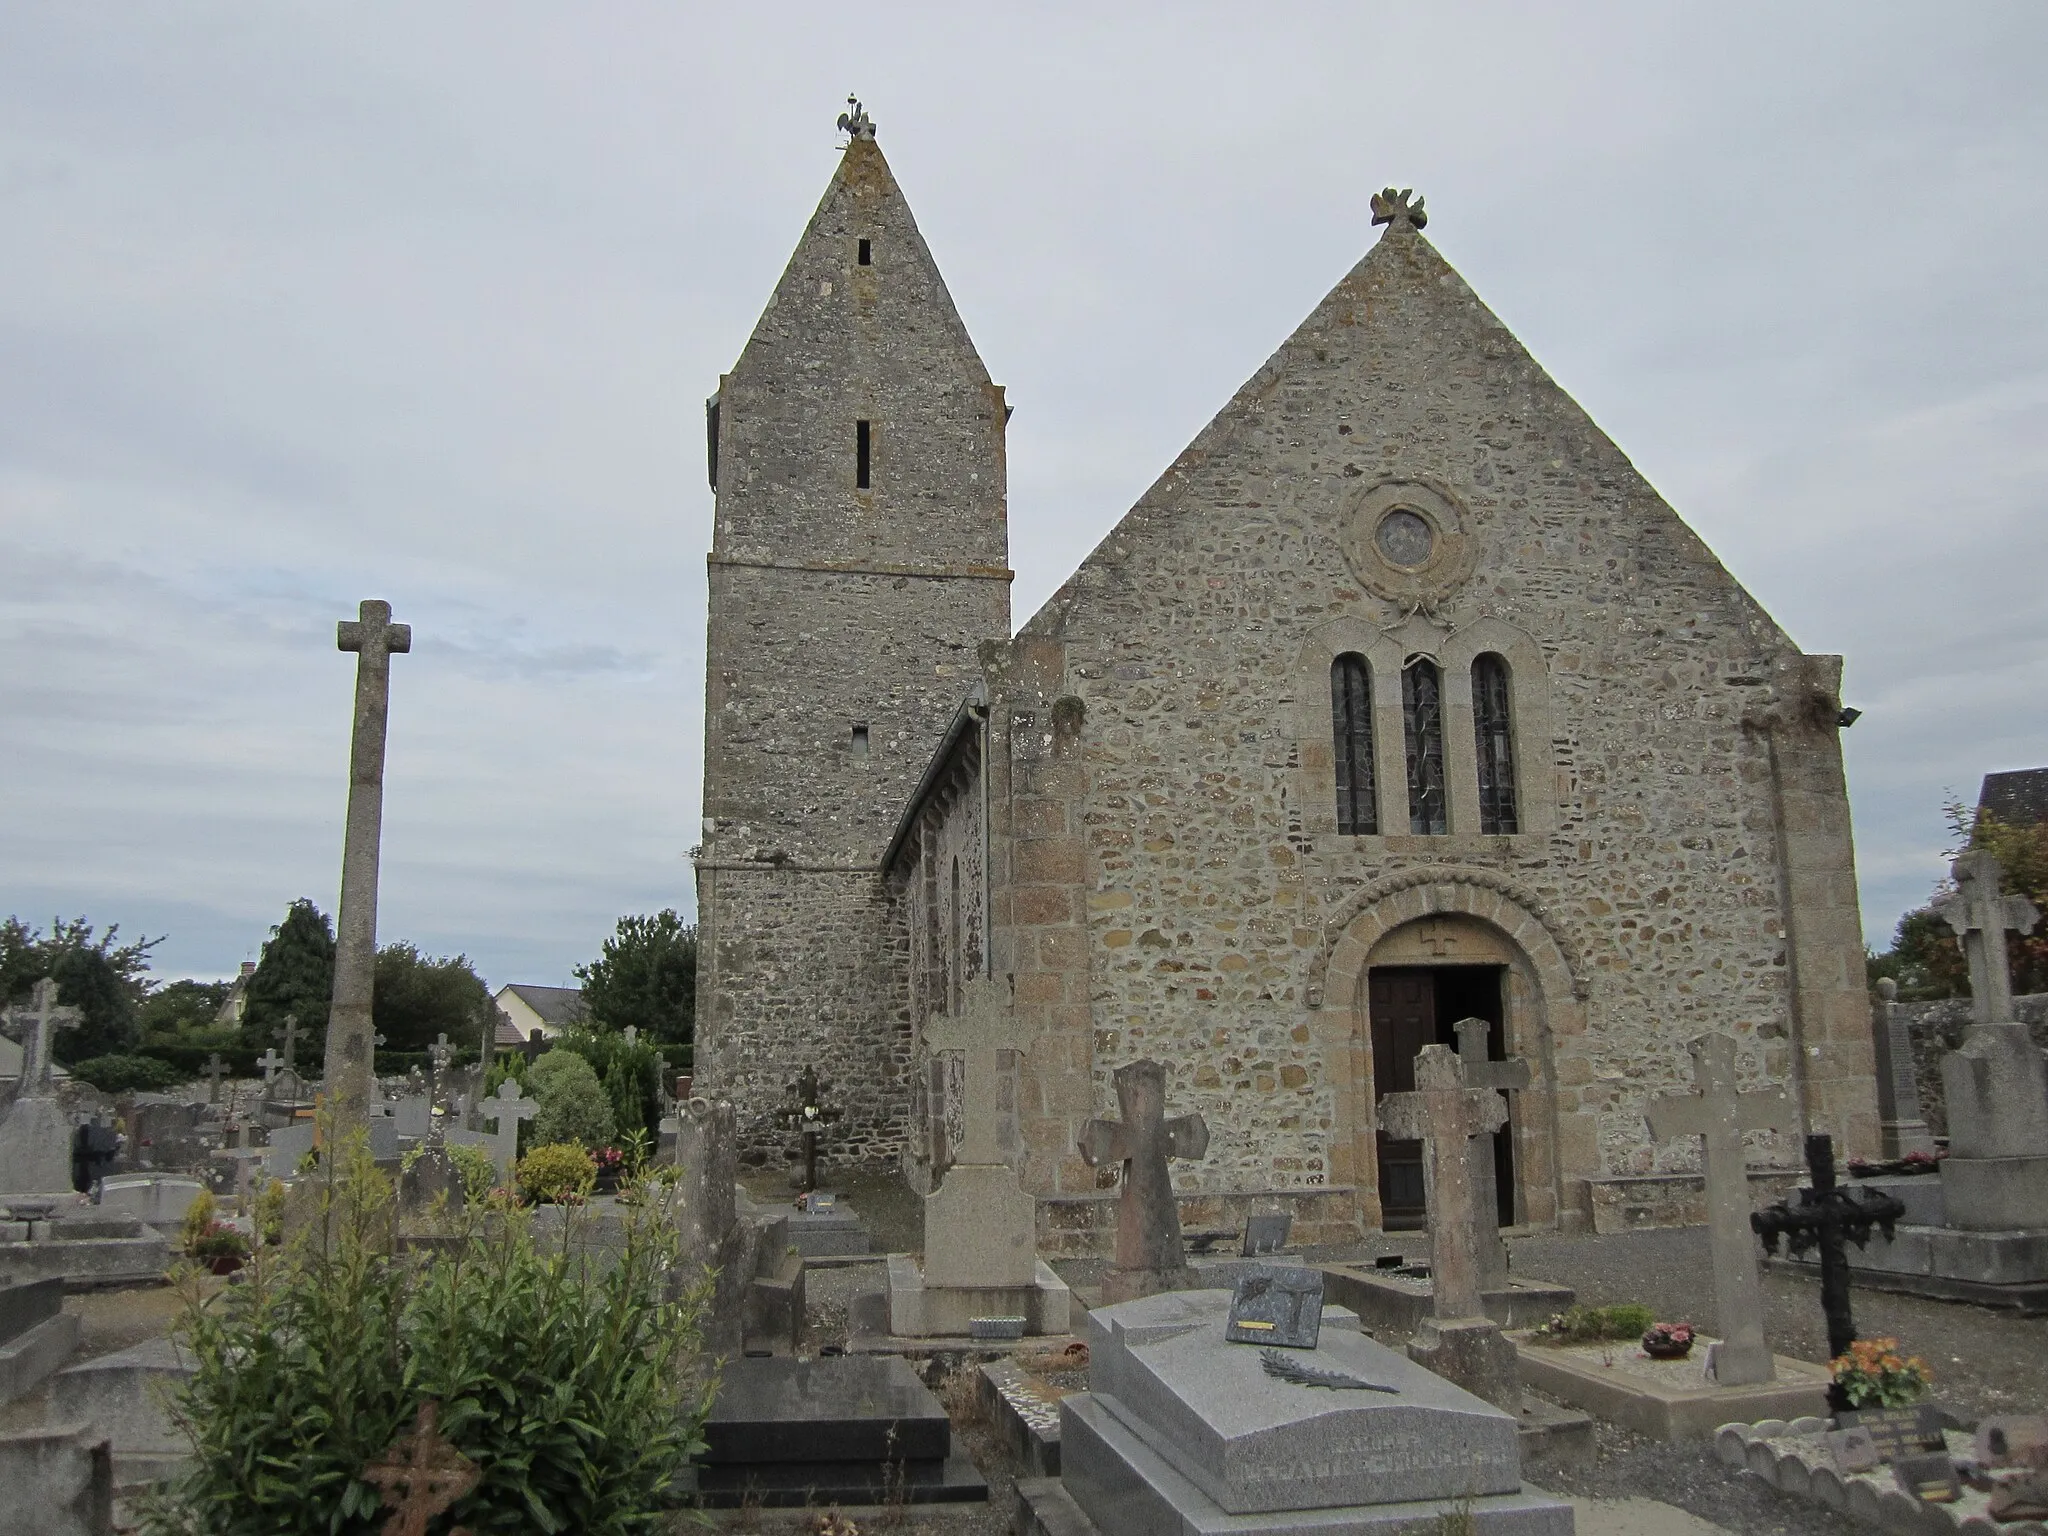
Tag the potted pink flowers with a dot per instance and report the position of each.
(1668, 1341)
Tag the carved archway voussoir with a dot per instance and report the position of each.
(1375, 910)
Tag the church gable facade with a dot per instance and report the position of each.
(1403, 699)
(1399, 701)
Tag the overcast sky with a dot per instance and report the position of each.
(301, 304)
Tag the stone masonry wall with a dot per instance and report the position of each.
(1937, 1028)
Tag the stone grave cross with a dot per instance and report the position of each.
(1150, 1255)
(1980, 913)
(289, 1033)
(439, 1054)
(507, 1107)
(39, 1023)
(808, 1117)
(631, 1035)
(214, 1067)
(375, 640)
(269, 1062)
(1718, 1115)
(1444, 1114)
(1509, 1076)
(985, 1028)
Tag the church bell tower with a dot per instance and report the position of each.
(860, 555)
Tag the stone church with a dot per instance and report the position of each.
(1401, 698)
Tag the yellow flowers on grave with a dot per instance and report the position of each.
(1873, 1374)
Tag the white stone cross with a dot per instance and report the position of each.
(1509, 1076)
(39, 1024)
(1980, 913)
(1444, 1113)
(1718, 1115)
(632, 1035)
(269, 1061)
(985, 1026)
(507, 1107)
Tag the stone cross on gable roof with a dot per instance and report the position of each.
(1150, 1255)
(1390, 207)
(39, 1023)
(1718, 1115)
(985, 1027)
(1444, 1113)
(1980, 913)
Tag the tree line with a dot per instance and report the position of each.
(1925, 959)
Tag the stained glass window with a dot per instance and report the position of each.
(1495, 735)
(1422, 722)
(1358, 811)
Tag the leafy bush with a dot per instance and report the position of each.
(127, 1074)
(1594, 1325)
(559, 1172)
(199, 1215)
(572, 1386)
(479, 1173)
(270, 1212)
(219, 1241)
(573, 1106)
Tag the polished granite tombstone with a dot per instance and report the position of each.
(1184, 1432)
(848, 1429)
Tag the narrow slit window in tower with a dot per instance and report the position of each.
(867, 254)
(1351, 737)
(1492, 725)
(862, 454)
(1422, 722)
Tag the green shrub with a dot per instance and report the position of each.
(573, 1105)
(1595, 1325)
(558, 1172)
(200, 1215)
(270, 1212)
(127, 1074)
(572, 1386)
(479, 1173)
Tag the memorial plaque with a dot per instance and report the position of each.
(1929, 1478)
(1277, 1307)
(817, 1202)
(1266, 1234)
(1853, 1450)
(1898, 1432)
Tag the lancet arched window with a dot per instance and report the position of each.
(1358, 812)
(1496, 751)
(1422, 728)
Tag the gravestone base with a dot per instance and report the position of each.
(35, 1148)
(1995, 1194)
(122, 1397)
(921, 1311)
(36, 1335)
(1398, 1304)
(1472, 1352)
(827, 1233)
(1666, 1399)
(1993, 1269)
(84, 1263)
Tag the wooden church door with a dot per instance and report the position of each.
(1403, 1021)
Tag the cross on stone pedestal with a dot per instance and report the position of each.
(1444, 1114)
(439, 1054)
(289, 1033)
(985, 1028)
(1150, 1256)
(375, 640)
(1718, 1115)
(508, 1106)
(808, 1117)
(39, 1023)
(1980, 913)
(214, 1067)
(1508, 1076)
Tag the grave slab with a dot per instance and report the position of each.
(1389, 1302)
(36, 1335)
(122, 1396)
(59, 1482)
(920, 1311)
(827, 1233)
(85, 1264)
(1666, 1399)
(1026, 1412)
(158, 1200)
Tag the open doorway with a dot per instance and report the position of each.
(1414, 1006)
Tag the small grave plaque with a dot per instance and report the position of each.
(1275, 1306)
(1897, 1433)
(1852, 1450)
(995, 1327)
(819, 1203)
(1266, 1234)
(1931, 1478)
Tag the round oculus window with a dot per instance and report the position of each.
(1405, 538)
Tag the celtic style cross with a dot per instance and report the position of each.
(39, 1023)
(1150, 1255)
(1444, 1114)
(1980, 913)
(1718, 1115)
(422, 1475)
(1509, 1076)
(985, 1029)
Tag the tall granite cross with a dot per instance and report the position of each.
(1718, 1115)
(1450, 1118)
(1508, 1076)
(1444, 1114)
(508, 1106)
(439, 1054)
(289, 1033)
(1150, 1256)
(1980, 913)
(374, 639)
(39, 1023)
(986, 1026)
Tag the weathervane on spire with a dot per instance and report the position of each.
(856, 120)
(1390, 205)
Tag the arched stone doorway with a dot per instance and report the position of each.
(1411, 961)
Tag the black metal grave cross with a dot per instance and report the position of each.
(1826, 1215)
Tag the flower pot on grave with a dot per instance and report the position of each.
(224, 1263)
(1666, 1349)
